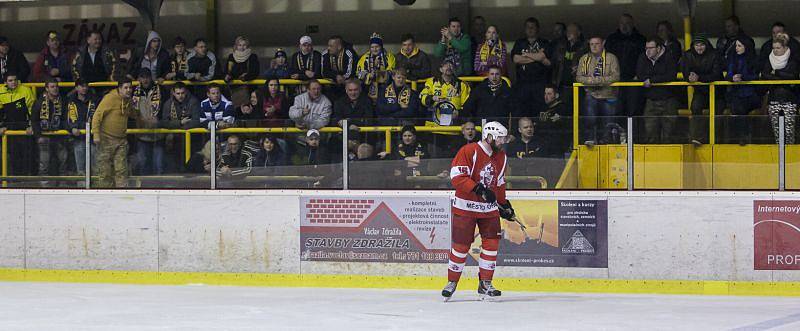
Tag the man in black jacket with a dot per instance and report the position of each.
(12, 60)
(554, 124)
(700, 64)
(627, 44)
(355, 106)
(491, 99)
(661, 107)
(726, 45)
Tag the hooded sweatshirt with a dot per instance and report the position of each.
(707, 66)
(159, 66)
(110, 120)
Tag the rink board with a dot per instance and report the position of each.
(658, 242)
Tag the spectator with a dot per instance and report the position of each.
(726, 45)
(278, 67)
(354, 106)
(312, 109)
(81, 105)
(242, 63)
(49, 114)
(742, 66)
(553, 125)
(397, 100)
(468, 135)
(526, 146)
(94, 63)
(271, 154)
(365, 152)
(353, 139)
(446, 88)
(477, 30)
(237, 158)
(700, 64)
(152, 57)
(251, 113)
(275, 105)
(306, 62)
(338, 62)
(455, 47)
(109, 126)
(411, 150)
(17, 102)
(627, 44)
(375, 65)
(492, 51)
(12, 61)
(597, 70)
(146, 100)
(559, 32)
(566, 54)
(661, 108)
(766, 48)
(781, 65)
(532, 57)
(216, 110)
(52, 62)
(312, 152)
(671, 44)
(415, 61)
(178, 61)
(182, 109)
(201, 63)
(200, 162)
(491, 99)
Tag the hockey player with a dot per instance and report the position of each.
(477, 173)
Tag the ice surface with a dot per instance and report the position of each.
(63, 306)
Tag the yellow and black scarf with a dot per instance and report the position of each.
(600, 68)
(487, 51)
(403, 99)
(50, 118)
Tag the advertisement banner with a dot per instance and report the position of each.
(557, 233)
(776, 234)
(375, 229)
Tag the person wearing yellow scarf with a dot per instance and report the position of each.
(374, 66)
(491, 52)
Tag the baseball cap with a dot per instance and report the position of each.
(312, 132)
(305, 40)
(52, 35)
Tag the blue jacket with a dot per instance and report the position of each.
(222, 112)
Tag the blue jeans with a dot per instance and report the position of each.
(79, 151)
(150, 157)
(598, 111)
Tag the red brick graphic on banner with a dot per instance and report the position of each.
(776, 229)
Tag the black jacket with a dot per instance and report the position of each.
(781, 93)
(80, 112)
(16, 63)
(707, 66)
(306, 155)
(47, 117)
(565, 57)
(727, 46)
(250, 68)
(418, 64)
(334, 65)
(556, 130)
(163, 63)
(299, 63)
(355, 113)
(103, 69)
(483, 103)
(172, 112)
(663, 70)
(393, 104)
(627, 48)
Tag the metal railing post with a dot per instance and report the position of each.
(781, 153)
(630, 154)
(87, 156)
(187, 146)
(5, 158)
(214, 155)
(345, 160)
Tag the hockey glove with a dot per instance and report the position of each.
(506, 211)
(484, 193)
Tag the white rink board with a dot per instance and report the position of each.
(652, 235)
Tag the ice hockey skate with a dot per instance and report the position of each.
(486, 289)
(448, 290)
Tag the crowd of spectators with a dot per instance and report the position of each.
(373, 89)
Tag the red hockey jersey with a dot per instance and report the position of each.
(476, 163)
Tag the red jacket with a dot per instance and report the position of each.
(473, 165)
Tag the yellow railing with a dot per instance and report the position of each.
(387, 130)
(712, 111)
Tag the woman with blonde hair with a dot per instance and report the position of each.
(781, 65)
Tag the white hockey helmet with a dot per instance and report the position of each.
(495, 129)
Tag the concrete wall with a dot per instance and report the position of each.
(652, 235)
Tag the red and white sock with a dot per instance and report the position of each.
(488, 258)
(458, 257)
